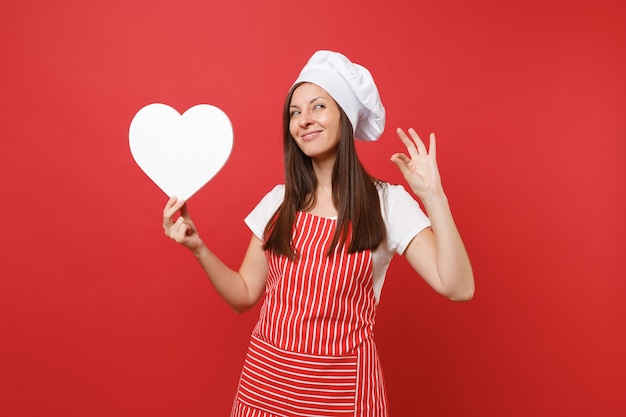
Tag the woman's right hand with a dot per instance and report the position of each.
(182, 230)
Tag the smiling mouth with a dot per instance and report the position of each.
(310, 135)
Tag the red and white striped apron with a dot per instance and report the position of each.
(312, 351)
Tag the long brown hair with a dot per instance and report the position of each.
(355, 195)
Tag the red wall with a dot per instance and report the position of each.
(101, 315)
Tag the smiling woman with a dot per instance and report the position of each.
(320, 247)
(101, 316)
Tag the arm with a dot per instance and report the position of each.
(436, 253)
(240, 289)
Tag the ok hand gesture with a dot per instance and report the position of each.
(420, 167)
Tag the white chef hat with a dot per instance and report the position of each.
(352, 87)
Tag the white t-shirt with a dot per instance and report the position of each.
(402, 215)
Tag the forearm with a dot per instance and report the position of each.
(453, 264)
(228, 283)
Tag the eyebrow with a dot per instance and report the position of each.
(311, 101)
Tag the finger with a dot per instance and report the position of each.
(432, 147)
(401, 158)
(184, 212)
(170, 226)
(167, 215)
(181, 233)
(418, 141)
(179, 230)
(173, 200)
(410, 145)
(173, 205)
(401, 161)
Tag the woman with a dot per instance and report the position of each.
(320, 247)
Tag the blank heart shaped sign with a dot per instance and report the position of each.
(180, 153)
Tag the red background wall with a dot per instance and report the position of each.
(101, 315)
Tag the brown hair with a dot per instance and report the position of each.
(355, 195)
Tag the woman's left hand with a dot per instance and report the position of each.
(420, 167)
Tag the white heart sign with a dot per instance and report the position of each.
(180, 153)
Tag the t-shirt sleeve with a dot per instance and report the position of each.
(404, 218)
(263, 212)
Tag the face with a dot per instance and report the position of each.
(315, 121)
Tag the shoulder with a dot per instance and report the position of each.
(275, 196)
(257, 219)
(392, 194)
(402, 215)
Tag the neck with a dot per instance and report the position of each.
(324, 173)
(324, 205)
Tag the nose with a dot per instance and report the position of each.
(305, 118)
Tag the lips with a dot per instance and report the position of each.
(310, 135)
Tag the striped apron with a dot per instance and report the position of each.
(312, 351)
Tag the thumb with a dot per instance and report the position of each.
(184, 212)
(401, 161)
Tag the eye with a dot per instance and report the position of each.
(294, 113)
(319, 106)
